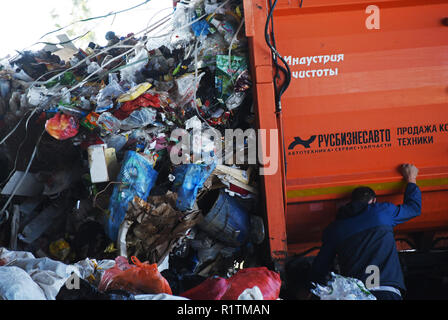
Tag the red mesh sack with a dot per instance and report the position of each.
(209, 289)
(139, 278)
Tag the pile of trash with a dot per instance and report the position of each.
(25, 277)
(107, 152)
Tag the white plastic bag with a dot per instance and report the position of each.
(134, 65)
(49, 281)
(33, 278)
(37, 95)
(16, 284)
(92, 270)
(8, 256)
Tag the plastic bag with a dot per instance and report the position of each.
(49, 281)
(139, 119)
(145, 100)
(34, 264)
(235, 100)
(109, 123)
(190, 178)
(62, 126)
(267, 281)
(49, 275)
(36, 95)
(139, 278)
(134, 65)
(186, 86)
(343, 288)
(227, 73)
(137, 178)
(217, 288)
(211, 289)
(104, 99)
(16, 284)
(9, 255)
(93, 269)
(182, 16)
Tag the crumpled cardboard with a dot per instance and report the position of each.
(157, 226)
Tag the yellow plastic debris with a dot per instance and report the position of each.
(134, 92)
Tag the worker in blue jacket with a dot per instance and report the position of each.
(363, 241)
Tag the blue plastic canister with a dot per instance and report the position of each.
(227, 221)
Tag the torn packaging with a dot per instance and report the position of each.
(157, 226)
(146, 100)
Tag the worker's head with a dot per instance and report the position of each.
(364, 195)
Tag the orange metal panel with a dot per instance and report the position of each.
(273, 185)
(361, 102)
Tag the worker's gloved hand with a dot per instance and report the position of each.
(409, 172)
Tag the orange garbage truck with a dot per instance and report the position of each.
(352, 90)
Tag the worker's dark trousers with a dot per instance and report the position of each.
(386, 295)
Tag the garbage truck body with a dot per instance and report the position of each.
(368, 91)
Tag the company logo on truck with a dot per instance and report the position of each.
(354, 138)
(305, 143)
(342, 141)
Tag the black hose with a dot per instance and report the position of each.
(286, 70)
